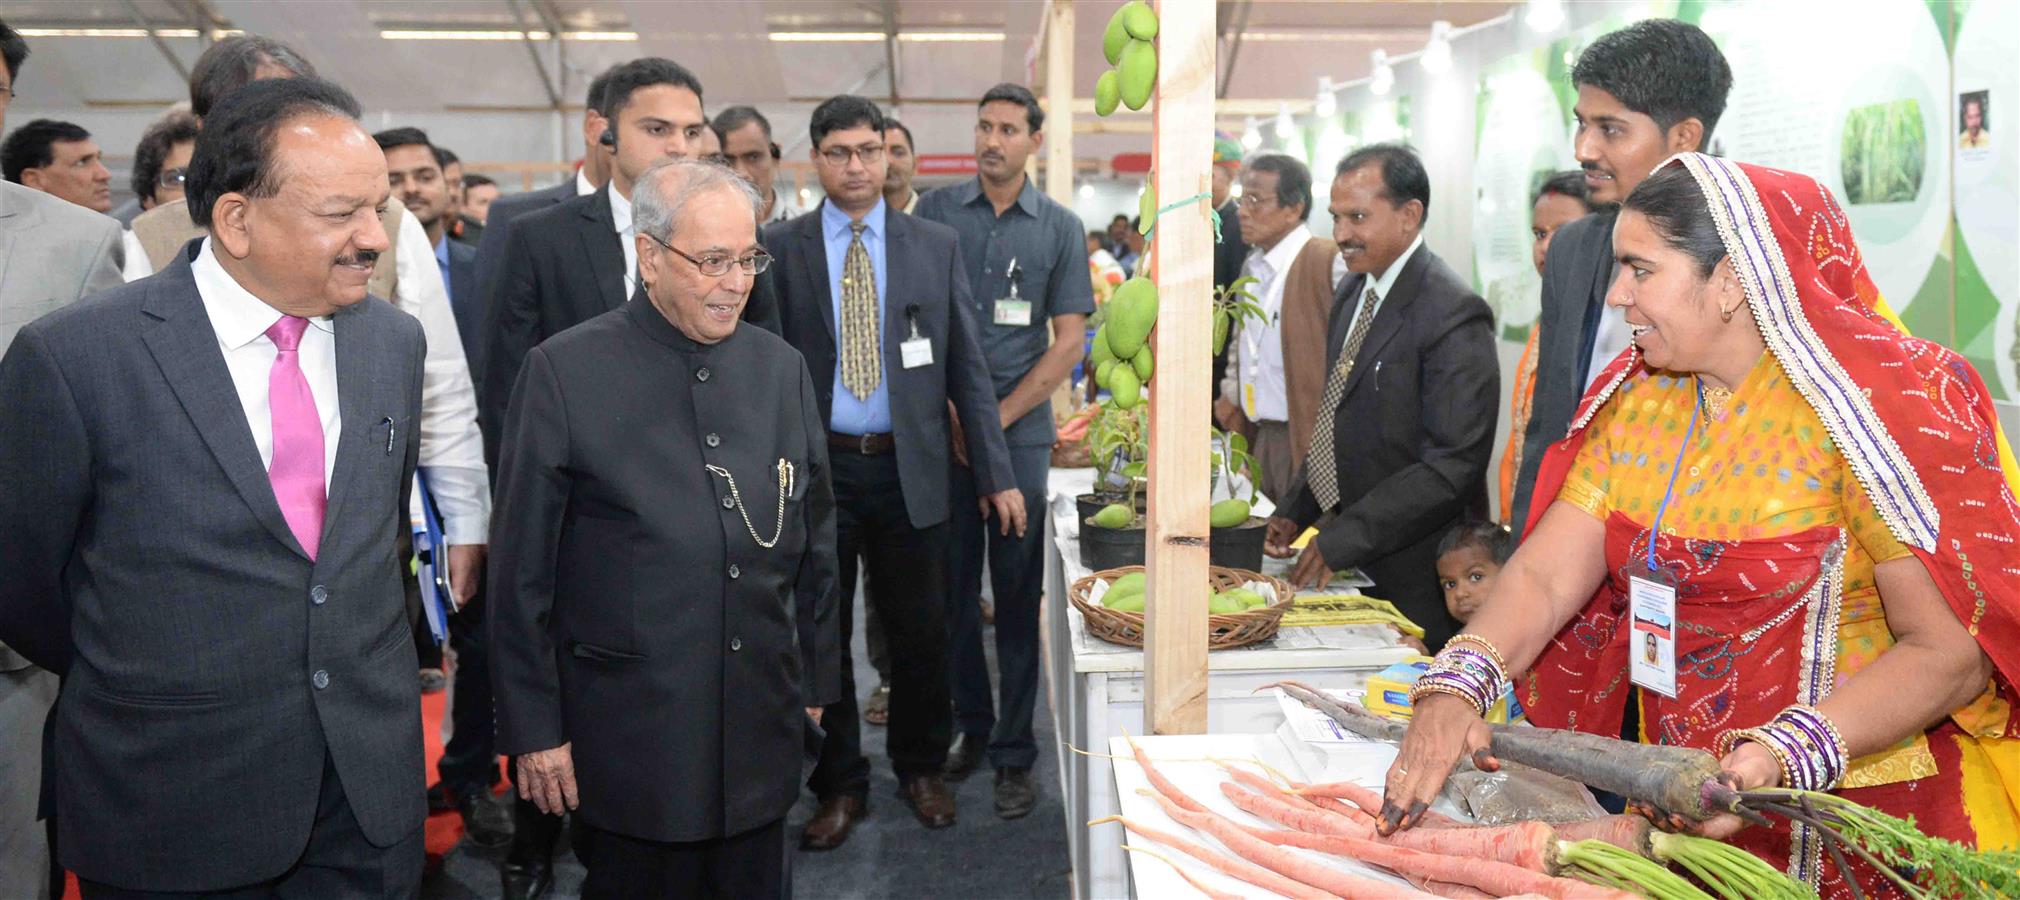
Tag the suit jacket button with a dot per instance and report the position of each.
(701, 374)
(728, 503)
(735, 572)
(318, 594)
(712, 440)
(321, 679)
(735, 644)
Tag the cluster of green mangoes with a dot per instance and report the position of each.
(1121, 352)
(1125, 594)
(1127, 45)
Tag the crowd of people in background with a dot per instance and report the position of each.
(668, 417)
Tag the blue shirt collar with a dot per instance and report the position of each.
(1027, 199)
(442, 250)
(835, 223)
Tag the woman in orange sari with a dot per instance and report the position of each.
(1799, 506)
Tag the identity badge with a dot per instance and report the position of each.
(1651, 647)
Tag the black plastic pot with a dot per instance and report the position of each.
(1089, 504)
(1108, 548)
(1239, 547)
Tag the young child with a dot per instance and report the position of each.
(1469, 558)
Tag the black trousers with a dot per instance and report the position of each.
(338, 862)
(1017, 580)
(750, 865)
(906, 567)
(470, 759)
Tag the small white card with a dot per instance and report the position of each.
(1651, 643)
(916, 352)
(1011, 311)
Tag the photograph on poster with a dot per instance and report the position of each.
(1974, 132)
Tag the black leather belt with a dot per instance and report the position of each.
(865, 444)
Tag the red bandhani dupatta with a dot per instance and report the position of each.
(1912, 417)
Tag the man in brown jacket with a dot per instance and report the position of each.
(1276, 369)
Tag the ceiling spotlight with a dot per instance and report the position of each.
(1251, 137)
(1544, 15)
(1325, 105)
(1438, 52)
(1286, 126)
(1384, 75)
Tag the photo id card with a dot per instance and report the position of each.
(1012, 311)
(917, 351)
(1651, 646)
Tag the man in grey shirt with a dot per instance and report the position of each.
(1026, 257)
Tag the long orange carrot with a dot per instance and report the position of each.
(1282, 861)
(1628, 832)
(1299, 817)
(1474, 866)
(1221, 862)
(1370, 801)
(1197, 885)
(1161, 783)
(1530, 845)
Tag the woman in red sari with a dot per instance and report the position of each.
(1781, 533)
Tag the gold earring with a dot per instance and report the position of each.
(1725, 315)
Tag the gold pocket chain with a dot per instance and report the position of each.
(785, 470)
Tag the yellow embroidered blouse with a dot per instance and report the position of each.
(1765, 468)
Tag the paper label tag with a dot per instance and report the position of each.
(1011, 311)
(916, 352)
(1651, 647)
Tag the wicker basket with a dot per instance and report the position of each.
(1223, 631)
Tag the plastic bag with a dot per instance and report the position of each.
(1519, 793)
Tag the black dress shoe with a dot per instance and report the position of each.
(486, 822)
(966, 755)
(1015, 795)
(527, 879)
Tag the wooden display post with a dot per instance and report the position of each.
(1176, 534)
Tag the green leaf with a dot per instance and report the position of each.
(1136, 470)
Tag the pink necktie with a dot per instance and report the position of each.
(297, 468)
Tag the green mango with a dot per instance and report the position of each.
(1107, 93)
(1138, 73)
(1138, 19)
(1222, 319)
(1228, 513)
(1115, 37)
(1128, 603)
(1146, 204)
(1103, 371)
(1114, 515)
(1224, 604)
(1249, 599)
(1141, 362)
(1124, 387)
(1132, 312)
(1100, 353)
(1130, 583)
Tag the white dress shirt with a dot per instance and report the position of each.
(1609, 341)
(1259, 367)
(452, 449)
(783, 208)
(1381, 283)
(582, 186)
(620, 213)
(240, 321)
(137, 265)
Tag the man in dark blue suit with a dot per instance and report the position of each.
(877, 302)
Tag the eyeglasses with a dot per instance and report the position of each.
(840, 156)
(716, 265)
(1255, 201)
(171, 178)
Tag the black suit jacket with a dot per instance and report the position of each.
(209, 665)
(1228, 255)
(560, 267)
(464, 298)
(1575, 278)
(633, 614)
(1413, 435)
(922, 260)
(491, 257)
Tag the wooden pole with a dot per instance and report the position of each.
(1059, 97)
(1176, 535)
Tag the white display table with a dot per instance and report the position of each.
(1097, 688)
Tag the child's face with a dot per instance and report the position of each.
(1466, 575)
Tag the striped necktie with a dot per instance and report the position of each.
(862, 364)
(1321, 468)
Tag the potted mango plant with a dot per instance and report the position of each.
(1111, 517)
(1237, 536)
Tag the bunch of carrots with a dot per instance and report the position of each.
(1603, 859)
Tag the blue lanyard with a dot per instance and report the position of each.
(1675, 467)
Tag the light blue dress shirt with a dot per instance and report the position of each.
(442, 262)
(853, 414)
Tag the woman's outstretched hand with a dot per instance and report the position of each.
(1443, 730)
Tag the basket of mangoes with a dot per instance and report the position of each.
(1243, 606)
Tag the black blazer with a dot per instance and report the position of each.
(922, 260)
(632, 613)
(1575, 277)
(464, 299)
(1414, 432)
(491, 257)
(560, 267)
(209, 666)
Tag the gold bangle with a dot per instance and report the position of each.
(1493, 652)
(1424, 688)
(1759, 736)
(1844, 750)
